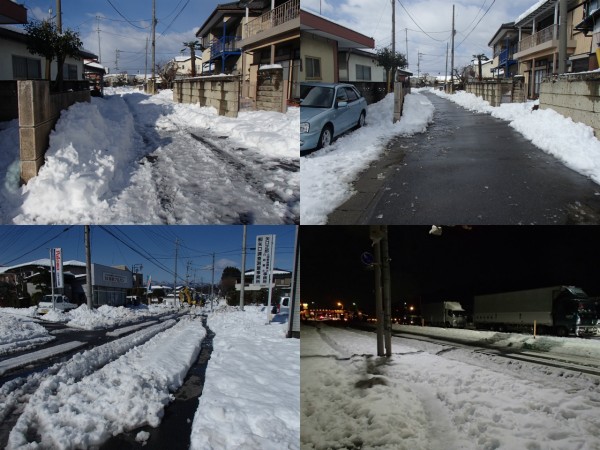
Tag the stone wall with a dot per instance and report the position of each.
(39, 111)
(9, 105)
(497, 92)
(372, 91)
(271, 90)
(575, 96)
(221, 92)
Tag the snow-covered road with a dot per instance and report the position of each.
(133, 158)
(427, 397)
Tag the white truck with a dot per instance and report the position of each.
(61, 303)
(444, 314)
(559, 310)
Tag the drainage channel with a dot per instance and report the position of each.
(176, 426)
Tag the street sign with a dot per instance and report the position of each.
(263, 264)
(58, 268)
(367, 258)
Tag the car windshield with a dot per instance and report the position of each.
(318, 97)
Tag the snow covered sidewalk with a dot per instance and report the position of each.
(328, 174)
(133, 158)
(251, 397)
(422, 400)
(18, 333)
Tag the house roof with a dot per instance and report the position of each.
(12, 12)
(506, 29)
(42, 262)
(321, 26)
(540, 9)
(228, 10)
(276, 271)
(19, 35)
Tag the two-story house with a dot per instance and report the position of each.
(590, 26)
(538, 48)
(220, 37)
(505, 44)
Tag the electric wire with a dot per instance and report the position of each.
(126, 19)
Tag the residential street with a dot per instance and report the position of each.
(469, 168)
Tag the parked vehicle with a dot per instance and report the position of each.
(559, 310)
(61, 303)
(444, 314)
(328, 110)
(283, 307)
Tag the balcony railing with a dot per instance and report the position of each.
(545, 35)
(225, 44)
(278, 16)
(505, 56)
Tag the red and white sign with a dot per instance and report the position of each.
(58, 268)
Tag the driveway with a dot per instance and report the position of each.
(469, 168)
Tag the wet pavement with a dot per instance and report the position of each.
(469, 168)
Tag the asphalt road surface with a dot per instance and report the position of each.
(469, 168)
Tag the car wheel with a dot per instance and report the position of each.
(361, 120)
(326, 136)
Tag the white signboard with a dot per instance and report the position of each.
(58, 268)
(265, 252)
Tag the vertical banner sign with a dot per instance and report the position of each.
(265, 246)
(58, 268)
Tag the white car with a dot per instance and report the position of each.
(61, 303)
(284, 305)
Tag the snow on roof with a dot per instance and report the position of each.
(42, 262)
(182, 58)
(531, 9)
(275, 272)
(270, 66)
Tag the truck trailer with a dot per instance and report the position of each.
(444, 314)
(558, 310)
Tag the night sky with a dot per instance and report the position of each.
(454, 266)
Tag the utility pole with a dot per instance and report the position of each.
(58, 17)
(153, 44)
(418, 65)
(446, 74)
(562, 38)
(98, 29)
(146, 71)
(375, 233)
(452, 57)
(393, 28)
(88, 267)
(406, 47)
(117, 51)
(175, 279)
(242, 278)
(387, 292)
(212, 284)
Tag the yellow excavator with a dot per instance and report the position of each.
(185, 296)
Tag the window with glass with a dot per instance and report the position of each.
(363, 73)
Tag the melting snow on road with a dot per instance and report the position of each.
(133, 158)
(430, 396)
(327, 174)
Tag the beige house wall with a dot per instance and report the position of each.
(317, 47)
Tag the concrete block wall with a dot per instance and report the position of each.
(493, 91)
(39, 111)
(220, 92)
(574, 96)
(270, 90)
(9, 106)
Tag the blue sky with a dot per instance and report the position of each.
(22, 243)
(178, 20)
(426, 25)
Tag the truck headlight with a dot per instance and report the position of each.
(304, 127)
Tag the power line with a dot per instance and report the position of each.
(419, 26)
(39, 246)
(469, 33)
(126, 19)
(174, 19)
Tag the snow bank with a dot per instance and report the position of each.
(104, 317)
(90, 158)
(424, 399)
(251, 394)
(125, 394)
(327, 174)
(573, 143)
(19, 333)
